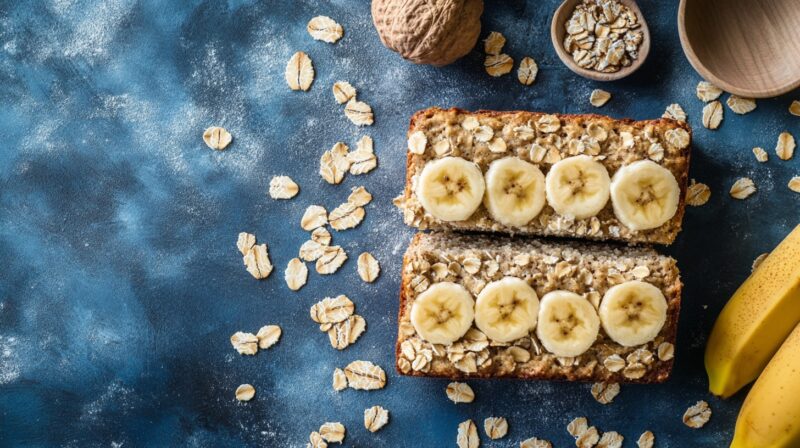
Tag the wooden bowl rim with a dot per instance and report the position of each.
(557, 31)
(709, 76)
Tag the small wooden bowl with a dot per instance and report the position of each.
(558, 33)
(747, 47)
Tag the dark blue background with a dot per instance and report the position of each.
(121, 283)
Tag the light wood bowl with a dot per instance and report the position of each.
(558, 32)
(747, 47)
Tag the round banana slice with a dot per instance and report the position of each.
(506, 309)
(645, 195)
(443, 313)
(633, 313)
(577, 186)
(568, 324)
(451, 188)
(514, 191)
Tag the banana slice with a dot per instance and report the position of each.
(514, 191)
(577, 186)
(443, 313)
(645, 195)
(632, 313)
(568, 323)
(506, 309)
(451, 188)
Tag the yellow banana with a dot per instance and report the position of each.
(771, 411)
(756, 320)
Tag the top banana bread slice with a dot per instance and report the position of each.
(619, 180)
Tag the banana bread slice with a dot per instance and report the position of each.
(645, 203)
(589, 270)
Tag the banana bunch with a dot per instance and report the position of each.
(566, 323)
(644, 194)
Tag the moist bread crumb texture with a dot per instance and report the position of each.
(587, 269)
(543, 140)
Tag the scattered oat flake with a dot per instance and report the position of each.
(316, 441)
(322, 236)
(646, 440)
(527, 71)
(334, 163)
(578, 426)
(599, 97)
(314, 216)
(339, 380)
(268, 335)
(245, 392)
(498, 65)
(757, 262)
(346, 332)
(332, 309)
(712, 115)
(299, 72)
(296, 274)
(417, 142)
(785, 146)
(359, 113)
(346, 216)
(467, 436)
(460, 392)
(332, 432)
(331, 260)
(364, 375)
(743, 188)
(311, 250)
(761, 155)
(794, 184)
(533, 442)
(343, 91)
(698, 415)
(588, 439)
(707, 92)
(497, 145)
(245, 343)
(675, 111)
(794, 108)
(493, 44)
(362, 161)
(741, 105)
(697, 194)
(610, 439)
(325, 29)
(495, 427)
(245, 242)
(368, 267)
(257, 261)
(375, 418)
(217, 138)
(282, 187)
(605, 393)
(359, 197)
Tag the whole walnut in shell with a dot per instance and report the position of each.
(435, 32)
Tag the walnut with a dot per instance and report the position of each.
(435, 32)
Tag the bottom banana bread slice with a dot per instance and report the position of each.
(474, 306)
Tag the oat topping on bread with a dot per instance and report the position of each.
(586, 176)
(486, 307)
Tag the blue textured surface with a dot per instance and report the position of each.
(121, 283)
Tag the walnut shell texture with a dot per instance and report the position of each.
(435, 32)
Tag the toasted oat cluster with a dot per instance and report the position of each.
(586, 270)
(611, 179)
(603, 35)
